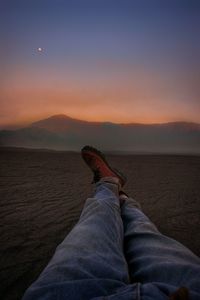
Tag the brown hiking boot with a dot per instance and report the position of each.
(96, 161)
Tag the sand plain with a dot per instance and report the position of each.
(42, 194)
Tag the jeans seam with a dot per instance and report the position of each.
(138, 291)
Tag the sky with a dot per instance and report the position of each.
(122, 61)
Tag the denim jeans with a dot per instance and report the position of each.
(115, 253)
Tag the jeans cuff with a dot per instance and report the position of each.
(112, 183)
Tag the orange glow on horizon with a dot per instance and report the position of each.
(138, 96)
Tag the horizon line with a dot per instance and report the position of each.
(21, 124)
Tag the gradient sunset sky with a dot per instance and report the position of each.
(100, 60)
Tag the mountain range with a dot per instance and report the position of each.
(60, 132)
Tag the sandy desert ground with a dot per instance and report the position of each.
(42, 194)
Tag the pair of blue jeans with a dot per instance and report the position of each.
(115, 252)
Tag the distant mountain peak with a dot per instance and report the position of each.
(61, 120)
(55, 117)
(60, 116)
(58, 123)
(52, 119)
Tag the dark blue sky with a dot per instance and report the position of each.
(143, 56)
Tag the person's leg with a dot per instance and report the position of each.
(155, 258)
(90, 261)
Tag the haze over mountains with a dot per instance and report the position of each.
(61, 132)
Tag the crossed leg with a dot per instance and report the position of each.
(90, 262)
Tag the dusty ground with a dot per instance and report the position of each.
(42, 195)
